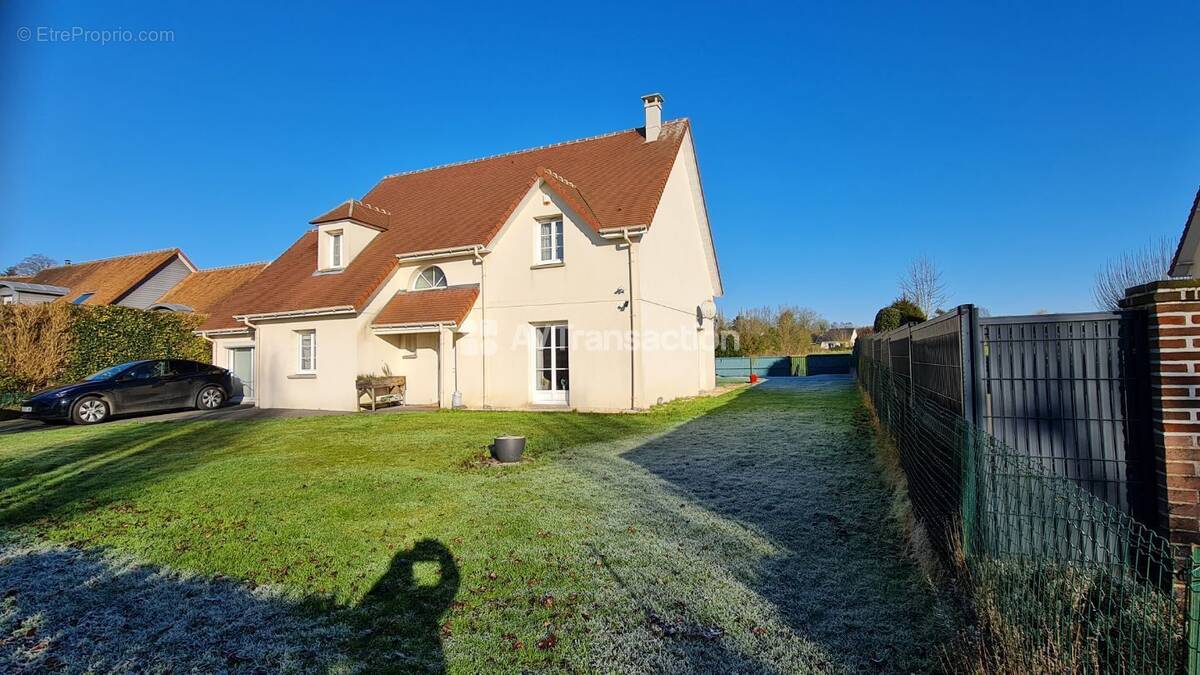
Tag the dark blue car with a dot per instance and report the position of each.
(137, 386)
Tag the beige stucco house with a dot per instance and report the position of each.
(578, 275)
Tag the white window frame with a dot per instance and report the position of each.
(337, 252)
(555, 245)
(9, 300)
(310, 333)
(552, 396)
(445, 282)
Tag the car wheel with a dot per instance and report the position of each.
(210, 398)
(91, 410)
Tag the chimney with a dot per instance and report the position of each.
(653, 103)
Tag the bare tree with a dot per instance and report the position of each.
(922, 284)
(1151, 263)
(30, 266)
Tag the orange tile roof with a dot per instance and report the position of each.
(443, 305)
(203, 289)
(109, 279)
(364, 213)
(613, 181)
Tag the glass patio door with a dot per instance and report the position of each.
(551, 364)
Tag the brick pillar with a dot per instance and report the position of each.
(1173, 323)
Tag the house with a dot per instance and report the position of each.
(1187, 253)
(837, 338)
(201, 290)
(135, 280)
(578, 275)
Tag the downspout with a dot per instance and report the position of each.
(632, 337)
(482, 328)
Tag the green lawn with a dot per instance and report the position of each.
(742, 532)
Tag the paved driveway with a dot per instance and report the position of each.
(242, 411)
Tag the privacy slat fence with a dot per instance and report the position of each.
(1015, 436)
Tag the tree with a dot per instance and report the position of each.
(767, 330)
(31, 265)
(1135, 268)
(922, 284)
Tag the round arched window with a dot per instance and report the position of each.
(432, 277)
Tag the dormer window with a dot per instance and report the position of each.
(431, 277)
(335, 250)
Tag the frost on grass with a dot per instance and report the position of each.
(768, 521)
(63, 609)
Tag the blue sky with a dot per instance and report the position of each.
(1018, 145)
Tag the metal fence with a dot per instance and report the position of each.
(784, 366)
(1058, 580)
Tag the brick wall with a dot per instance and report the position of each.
(1173, 313)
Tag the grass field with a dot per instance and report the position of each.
(744, 532)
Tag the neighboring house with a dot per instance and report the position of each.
(135, 280)
(514, 281)
(837, 338)
(1187, 254)
(201, 290)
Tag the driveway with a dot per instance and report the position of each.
(240, 411)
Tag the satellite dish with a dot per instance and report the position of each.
(708, 309)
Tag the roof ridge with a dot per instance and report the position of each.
(520, 152)
(230, 267)
(368, 205)
(174, 249)
(559, 176)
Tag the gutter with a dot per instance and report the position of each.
(296, 314)
(623, 233)
(454, 251)
(397, 328)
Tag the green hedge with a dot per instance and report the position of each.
(106, 336)
(47, 345)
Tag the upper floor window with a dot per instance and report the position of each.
(335, 249)
(432, 277)
(9, 299)
(82, 298)
(550, 241)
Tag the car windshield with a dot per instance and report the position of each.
(107, 373)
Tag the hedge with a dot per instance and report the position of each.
(55, 343)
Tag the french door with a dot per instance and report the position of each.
(551, 364)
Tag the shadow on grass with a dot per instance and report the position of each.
(104, 465)
(792, 461)
(65, 609)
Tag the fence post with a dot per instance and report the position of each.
(1193, 616)
(1172, 314)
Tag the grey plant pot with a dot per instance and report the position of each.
(508, 448)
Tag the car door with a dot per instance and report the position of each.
(137, 388)
(191, 376)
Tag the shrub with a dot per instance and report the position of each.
(53, 343)
(887, 319)
(901, 312)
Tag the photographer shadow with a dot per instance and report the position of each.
(403, 611)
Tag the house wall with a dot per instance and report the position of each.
(153, 288)
(583, 292)
(677, 349)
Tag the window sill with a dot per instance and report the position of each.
(302, 376)
(546, 265)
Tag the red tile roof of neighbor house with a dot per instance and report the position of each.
(109, 279)
(613, 181)
(203, 289)
(442, 305)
